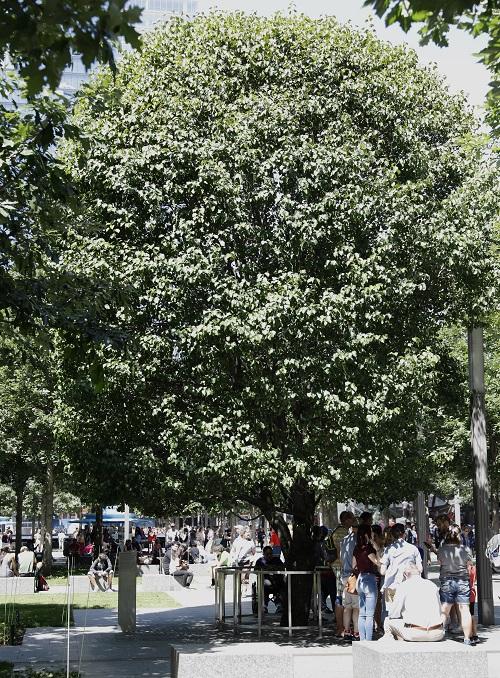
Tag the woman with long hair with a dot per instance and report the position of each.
(365, 564)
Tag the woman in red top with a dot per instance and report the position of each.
(365, 563)
(274, 540)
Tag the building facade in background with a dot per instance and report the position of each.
(153, 12)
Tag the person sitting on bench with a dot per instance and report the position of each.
(101, 569)
(274, 584)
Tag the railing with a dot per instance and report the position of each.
(236, 572)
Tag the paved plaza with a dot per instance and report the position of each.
(99, 648)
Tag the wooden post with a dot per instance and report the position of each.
(481, 488)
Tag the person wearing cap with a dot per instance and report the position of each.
(415, 614)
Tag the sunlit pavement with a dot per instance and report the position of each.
(98, 648)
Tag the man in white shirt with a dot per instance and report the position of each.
(243, 547)
(396, 557)
(171, 534)
(416, 610)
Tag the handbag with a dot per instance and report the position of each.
(350, 585)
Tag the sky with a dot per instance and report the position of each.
(457, 62)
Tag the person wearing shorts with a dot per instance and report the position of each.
(455, 561)
(350, 603)
(101, 569)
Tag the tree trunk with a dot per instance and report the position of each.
(297, 545)
(98, 531)
(19, 517)
(495, 516)
(47, 513)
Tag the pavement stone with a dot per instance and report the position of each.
(107, 652)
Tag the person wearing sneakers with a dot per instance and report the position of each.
(101, 568)
(334, 541)
(455, 561)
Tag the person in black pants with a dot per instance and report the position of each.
(183, 575)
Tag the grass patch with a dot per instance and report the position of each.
(49, 606)
(6, 670)
(33, 613)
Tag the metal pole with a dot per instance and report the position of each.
(289, 582)
(481, 488)
(320, 613)
(422, 528)
(235, 599)
(260, 586)
(222, 597)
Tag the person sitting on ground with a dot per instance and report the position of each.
(101, 569)
(274, 584)
(416, 611)
(181, 573)
(8, 565)
(26, 562)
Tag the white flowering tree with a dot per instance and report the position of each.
(293, 210)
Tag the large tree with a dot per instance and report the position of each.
(434, 17)
(299, 209)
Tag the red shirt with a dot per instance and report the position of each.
(274, 539)
(363, 563)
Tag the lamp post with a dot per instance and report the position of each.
(481, 489)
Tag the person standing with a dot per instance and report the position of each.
(334, 541)
(455, 562)
(171, 534)
(365, 563)
(396, 557)
(61, 536)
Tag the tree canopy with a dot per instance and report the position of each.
(477, 17)
(298, 209)
(39, 38)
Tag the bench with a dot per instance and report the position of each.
(263, 659)
(16, 585)
(448, 659)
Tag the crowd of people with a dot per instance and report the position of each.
(380, 591)
(371, 574)
(372, 582)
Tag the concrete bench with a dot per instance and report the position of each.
(263, 659)
(16, 585)
(389, 658)
(148, 569)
